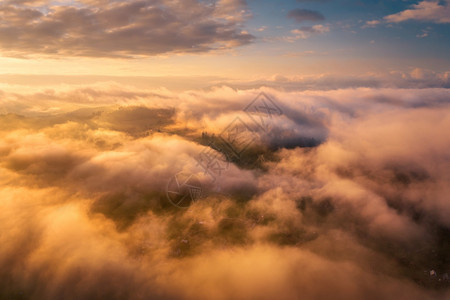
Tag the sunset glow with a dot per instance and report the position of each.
(224, 149)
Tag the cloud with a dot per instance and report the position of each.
(307, 31)
(302, 15)
(363, 213)
(121, 29)
(372, 23)
(262, 28)
(425, 11)
(423, 34)
(394, 79)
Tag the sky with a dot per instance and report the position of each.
(233, 39)
(224, 149)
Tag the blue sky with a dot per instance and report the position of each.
(424, 41)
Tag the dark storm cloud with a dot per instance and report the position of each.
(302, 15)
(121, 29)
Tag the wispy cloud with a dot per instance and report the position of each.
(372, 23)
(307, 31)
(426, 11)
(423, 34)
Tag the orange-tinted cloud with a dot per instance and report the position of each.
(120, 29)
(361, 214)
(425, 11)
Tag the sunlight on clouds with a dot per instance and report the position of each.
(224, 149)
(84, 200)
(121, 29)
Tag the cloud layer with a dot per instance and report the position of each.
(362, 213)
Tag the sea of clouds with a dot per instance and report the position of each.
(352, 202)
